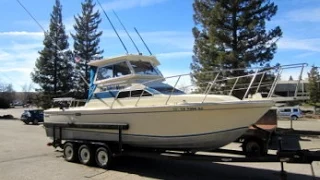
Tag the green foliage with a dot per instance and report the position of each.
(53, 72)
(86, 41)
(314, 85)
(7, 95)
(290, 78)
(232, 34)
(4, 103)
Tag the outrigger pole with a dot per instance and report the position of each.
(114, 29)
(126, 31)
(143, 41)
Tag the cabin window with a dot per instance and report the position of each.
(138, 93)
(124, 94)
(135, 93)
(111, 71)
(145, 68)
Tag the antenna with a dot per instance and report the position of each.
(126, 31)
(143, 41)
(112, 26)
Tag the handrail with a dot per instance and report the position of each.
(173, 90)
(212, 83)
(254, 79)
(234, 85)
(260, 82)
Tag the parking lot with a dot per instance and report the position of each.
(24, 155)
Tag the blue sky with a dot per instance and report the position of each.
(164, 24)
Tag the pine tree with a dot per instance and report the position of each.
(314, 85)
(290, 78)
(232, 34)
(53, 72)
(86, 40)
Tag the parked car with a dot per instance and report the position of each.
(32, 115)
(293, 113)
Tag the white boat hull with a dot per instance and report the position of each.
(193, 126)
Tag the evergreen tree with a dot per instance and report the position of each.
(232, 34)
(314, 85)
(86, 41)
(7, 95)
(53, 72)
(290, 78)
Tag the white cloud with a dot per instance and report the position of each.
(174, 55)
(307, 15)
(304, 55)
(128, 4)
(18, 52)
(22, 35)
(300, 44)
(166, 39)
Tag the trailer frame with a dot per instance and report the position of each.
(117, 148)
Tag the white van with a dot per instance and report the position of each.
(293, 113)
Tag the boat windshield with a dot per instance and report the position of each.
(111, 71)
(145, 68)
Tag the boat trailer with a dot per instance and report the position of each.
(117, 148)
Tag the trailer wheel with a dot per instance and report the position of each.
(85, 154)
(253, 148)
(69, 152)
(103, 157)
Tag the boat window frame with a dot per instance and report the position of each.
(112, 64)
(130, 94)
(155, 68)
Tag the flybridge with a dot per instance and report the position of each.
(152, 59)
(125, 68)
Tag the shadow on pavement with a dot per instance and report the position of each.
(170, 169)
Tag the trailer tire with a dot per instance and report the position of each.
(85, 154)
(69, 152)
(103, 157)
(253, 148)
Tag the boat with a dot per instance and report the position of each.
(130, 89)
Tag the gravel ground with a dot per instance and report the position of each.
(24, 155)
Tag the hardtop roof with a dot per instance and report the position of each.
(131, 57)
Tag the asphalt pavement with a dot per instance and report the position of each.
(25, 155)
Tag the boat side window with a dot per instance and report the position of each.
(141, 67)
(115, 70)
(124, 94)
(137, 93)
